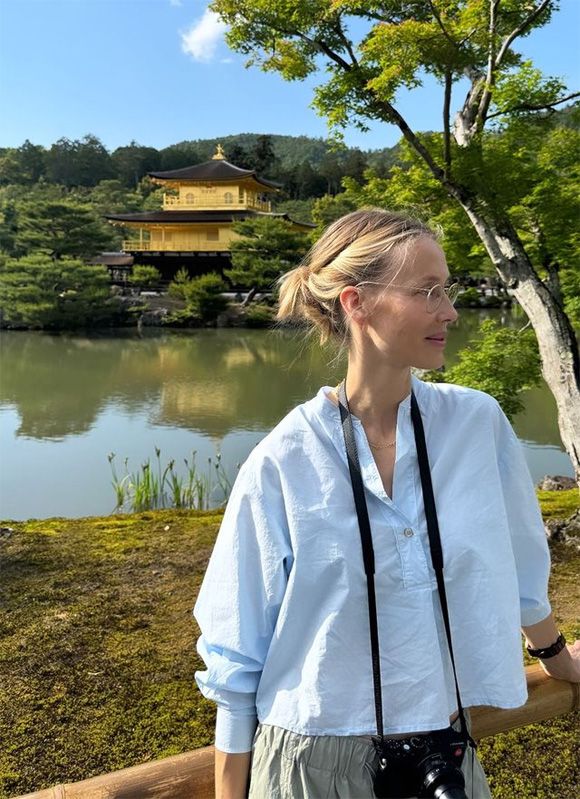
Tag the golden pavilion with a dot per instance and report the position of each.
(194, 226)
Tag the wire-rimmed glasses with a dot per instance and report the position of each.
(433, 296)
(436, 293)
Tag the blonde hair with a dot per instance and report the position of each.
(363, 246)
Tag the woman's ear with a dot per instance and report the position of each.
(351, 300)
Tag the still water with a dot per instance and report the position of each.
(67, 401)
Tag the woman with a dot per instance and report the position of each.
(284, 607)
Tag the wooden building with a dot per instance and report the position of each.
(194, 227)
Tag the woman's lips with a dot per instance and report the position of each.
(439, 342)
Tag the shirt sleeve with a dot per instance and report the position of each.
(240, 598)
(528, 536)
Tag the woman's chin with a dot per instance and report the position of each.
(434, 362)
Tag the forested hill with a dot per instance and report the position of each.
(307, 167)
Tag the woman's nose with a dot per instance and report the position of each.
(446, 311)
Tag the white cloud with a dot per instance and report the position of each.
(201, 40)
(175, 3)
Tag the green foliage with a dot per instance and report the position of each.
(502, 362)
(298, 210)
(133, 162)
(179, 284)
(328, 209)
(469, 297)
(155, 487)
(145, 276)
(203, 297)
(25, 164)
(259, 315)
(268, 247)
(83, 162)
(41, 293)
(59, 228)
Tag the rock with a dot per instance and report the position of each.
(566, 531)
(556, 482)
(553, 528)
(153, 318)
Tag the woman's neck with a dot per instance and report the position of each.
(374, 396)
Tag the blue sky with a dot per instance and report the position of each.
(158, 71)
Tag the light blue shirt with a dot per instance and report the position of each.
(283, 606)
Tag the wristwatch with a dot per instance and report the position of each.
(548, 651)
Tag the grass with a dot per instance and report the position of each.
(97, 653)
(155, 487)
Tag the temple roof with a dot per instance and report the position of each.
(180, 217)
(214, 170)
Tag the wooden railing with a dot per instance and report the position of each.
(190, 776)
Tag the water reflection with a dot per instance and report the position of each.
(66, 401)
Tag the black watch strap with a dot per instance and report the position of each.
(548, 651)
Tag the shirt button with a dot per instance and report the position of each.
(408, 532)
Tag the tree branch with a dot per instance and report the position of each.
(390, 114)
(345, 40)
(530, 107)
(440, 23)
(446, 122)
(322, 46)
(485, 98)
(523, 26)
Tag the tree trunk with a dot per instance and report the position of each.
(556, 338)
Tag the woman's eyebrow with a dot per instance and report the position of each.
(432, 279)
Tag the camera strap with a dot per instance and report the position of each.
(368, 550)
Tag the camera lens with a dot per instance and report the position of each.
(444, 781)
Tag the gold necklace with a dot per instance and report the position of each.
(371, 444)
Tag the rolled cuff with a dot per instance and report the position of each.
(234, 733)
(533, 614)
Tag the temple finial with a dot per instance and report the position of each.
(219, 154)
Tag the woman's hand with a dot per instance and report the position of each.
(565, 665)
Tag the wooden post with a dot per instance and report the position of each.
(190, 776)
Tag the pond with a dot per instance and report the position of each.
(67, 401)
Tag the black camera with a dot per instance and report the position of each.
(422, 765)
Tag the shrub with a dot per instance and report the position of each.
(179, 284)
(468, 298)
(145, 276)
(203, 297)
(259, 315)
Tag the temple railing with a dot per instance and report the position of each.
(190, 775)
(132, 245)
(215, 203)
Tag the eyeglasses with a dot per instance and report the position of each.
(434, 295)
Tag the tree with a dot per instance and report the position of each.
(24, 165)
(59, 228)
(329, 208)
(82, 162)
(264, 156)
(500, 361)
(268, 247)
(449, 40)
(238, 156)
(39, 292)
(133, 162)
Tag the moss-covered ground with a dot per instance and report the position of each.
(97, 653)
